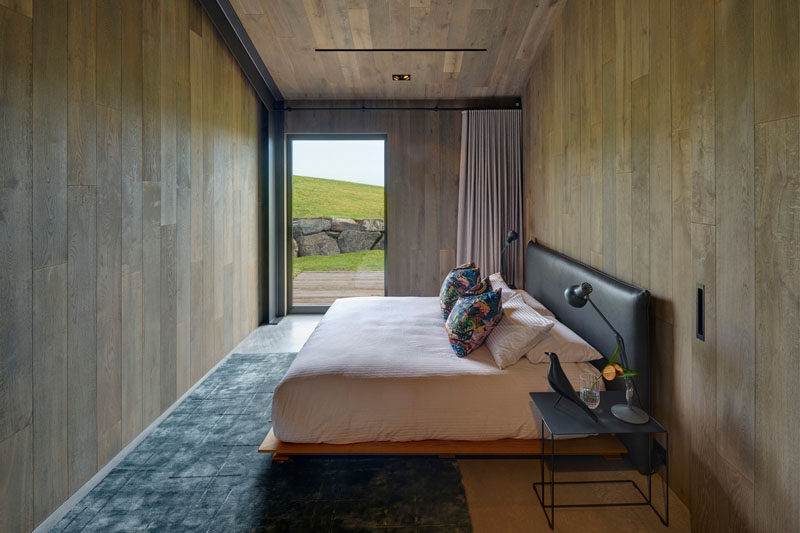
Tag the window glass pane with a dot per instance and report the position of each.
(338, 228)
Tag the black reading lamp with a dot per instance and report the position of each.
(577, 296)
(511, 237)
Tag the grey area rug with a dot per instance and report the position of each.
(199, 470)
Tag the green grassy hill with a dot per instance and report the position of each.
(369, 260)
(316, 197)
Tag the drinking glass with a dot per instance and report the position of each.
(590, 390)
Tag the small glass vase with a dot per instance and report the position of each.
(628, 412)
(629, 391)
(590, 390)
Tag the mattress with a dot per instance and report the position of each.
(381, 369)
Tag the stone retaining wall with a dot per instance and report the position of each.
(330, 236)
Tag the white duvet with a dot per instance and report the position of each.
(381, 369)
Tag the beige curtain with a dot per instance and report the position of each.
(490, 190)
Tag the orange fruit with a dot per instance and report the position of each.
(609, 372)
(618, 368)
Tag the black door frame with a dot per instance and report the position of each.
(286, 185)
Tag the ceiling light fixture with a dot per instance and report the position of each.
(400, 49)
(401, 77)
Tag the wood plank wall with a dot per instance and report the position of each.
(423, 159)
(128, 230)
(663, 141)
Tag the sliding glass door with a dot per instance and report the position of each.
(337, 209)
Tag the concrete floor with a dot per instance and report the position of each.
(499, 493)
(288, 335)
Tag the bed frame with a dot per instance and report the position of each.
(547, 274)
(606, 445)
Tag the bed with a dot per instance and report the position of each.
(378, 376)
(382, 369)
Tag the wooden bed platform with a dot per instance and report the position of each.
(606, 445)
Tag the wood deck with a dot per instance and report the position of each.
(322, 288)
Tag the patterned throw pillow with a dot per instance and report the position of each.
(482, 286)
(455, 284)
(472, 319)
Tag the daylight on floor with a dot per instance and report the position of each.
(338, 222)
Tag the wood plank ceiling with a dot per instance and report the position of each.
(287, 32)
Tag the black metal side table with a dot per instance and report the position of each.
(566, 420)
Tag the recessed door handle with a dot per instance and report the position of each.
(701, 314)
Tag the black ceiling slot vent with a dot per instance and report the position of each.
(400, 49)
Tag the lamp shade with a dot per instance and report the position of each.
(577, 295)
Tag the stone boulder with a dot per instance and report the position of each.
(307, 226)
(341, 224)
(295, 248)
(357, 240)
(318, 244)
(381, 244)
(373, 224)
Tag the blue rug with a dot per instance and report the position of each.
(199, 470)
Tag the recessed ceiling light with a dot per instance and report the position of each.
(401, 77)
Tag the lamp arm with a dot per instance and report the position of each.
(621, 343)
(503, 261)
(624, 354)
(616, 333)
(503, 265)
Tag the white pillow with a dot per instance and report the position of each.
(567, 344)
(498, 283)
(518, 331)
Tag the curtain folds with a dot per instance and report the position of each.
(490, 191)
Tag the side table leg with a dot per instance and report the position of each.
(666, 473)
(650, 470)
(552, 480)
(543, 498)
(541, 467)
(665, 517)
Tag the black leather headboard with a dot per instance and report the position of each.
(548, 273)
